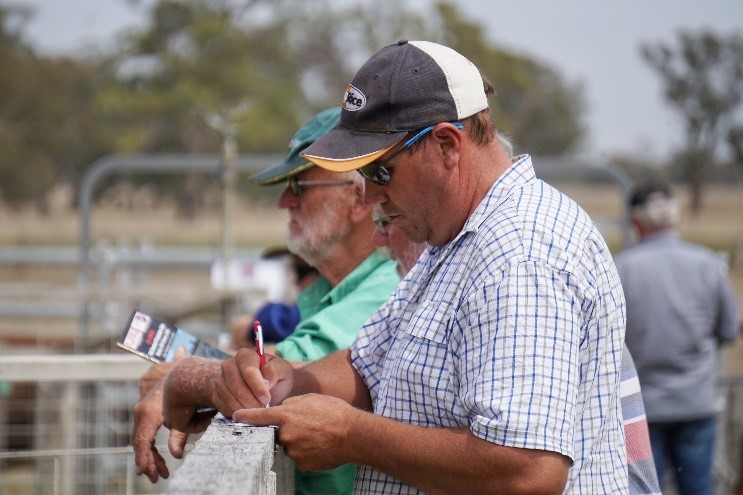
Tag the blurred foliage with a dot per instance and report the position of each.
(538, 111)
(702, 77)
(263, 66)
(49, 131)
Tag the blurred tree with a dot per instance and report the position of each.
(194, 60)
(280, 61)
(276, 61)
(703, 79)
(332, 39)
(532, 105)
(208, 56)
(48, 132)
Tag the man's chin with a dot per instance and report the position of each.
(305, 252)
(294, 247)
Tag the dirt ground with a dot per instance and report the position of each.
(719, 225)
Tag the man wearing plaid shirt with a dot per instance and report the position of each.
(494, 367)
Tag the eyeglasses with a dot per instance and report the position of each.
(379, 173)
(297, 186)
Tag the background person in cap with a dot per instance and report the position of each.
(680, 309)
(330, 227)
(495, 365)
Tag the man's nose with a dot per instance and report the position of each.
(373, 193)
(287, 199)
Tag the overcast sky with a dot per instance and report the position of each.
(594, 43)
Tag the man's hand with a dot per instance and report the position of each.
(188, 388)
(148, 418)
(313, 428)
(242, 384)
(152, 378)
(156, 373)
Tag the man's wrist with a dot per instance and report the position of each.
(356, 423)
(191, 382)
(301, 382)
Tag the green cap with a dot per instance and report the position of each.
(306, 135)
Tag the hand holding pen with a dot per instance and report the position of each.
(259, 349)
(258, 329)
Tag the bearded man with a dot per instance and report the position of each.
(331, 228)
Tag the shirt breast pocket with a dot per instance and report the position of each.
(424, 355)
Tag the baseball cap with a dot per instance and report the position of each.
(306, 135)
(403, 87)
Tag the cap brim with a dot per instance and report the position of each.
(343, 150)
(277, 173)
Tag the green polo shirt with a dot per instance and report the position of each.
(330, 319)
(331, 316)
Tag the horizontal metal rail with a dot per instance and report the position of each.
(72, 367)
(42, 454)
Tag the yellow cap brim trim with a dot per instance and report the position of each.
(347, 165)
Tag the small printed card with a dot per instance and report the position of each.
(157, 341)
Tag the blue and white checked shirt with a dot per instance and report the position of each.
(514, 329)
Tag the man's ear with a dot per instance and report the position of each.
(360, 211)
(449, 140)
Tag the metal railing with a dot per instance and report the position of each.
(47, 447)
(151, 164)
(66, 424)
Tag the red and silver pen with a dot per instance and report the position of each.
(259, 343)
(258, 329)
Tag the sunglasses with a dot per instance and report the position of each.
(380, 173)
(297, 186)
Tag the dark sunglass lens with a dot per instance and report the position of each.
(383, 175)
(376, 173)
(295, 187)
(369, 171)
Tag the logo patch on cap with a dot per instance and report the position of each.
(354, 99)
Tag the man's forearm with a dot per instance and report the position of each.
(191, 382)
(333, 375)
(447, 460)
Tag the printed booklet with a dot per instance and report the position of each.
(157, 341)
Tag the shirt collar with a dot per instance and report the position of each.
(519, 173)
(667, 235)
(324, 295)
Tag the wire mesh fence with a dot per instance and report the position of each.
(69, 436)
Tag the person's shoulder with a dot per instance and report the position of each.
(703, 254)
(376, 277)
(628, 253)
(384, 273)
(699, 249)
